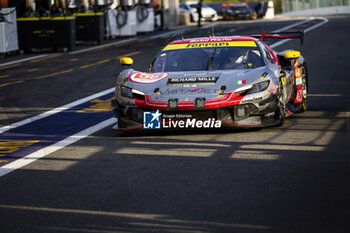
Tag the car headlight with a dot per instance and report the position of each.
(130, 93)
(126, 92)
(258, 87)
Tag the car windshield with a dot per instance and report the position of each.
(196, 59)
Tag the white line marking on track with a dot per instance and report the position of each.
(292, 25)
(23, 60)
(58, 145)
(325, 20)
(296, 24)
(167, 34)
(104, 45)
(56, 110)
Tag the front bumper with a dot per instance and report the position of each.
(247, 115)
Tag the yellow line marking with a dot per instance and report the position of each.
(4, 76)
(44, 58)
(13, 146)
(3, 161)
(94, 64)
(41, 77)
(100, 106)
(129, 54)
(74, 59)
(32, 70)
(45, 18)
(10, 83)
(10, 66)
(54, 74)
(87, 14)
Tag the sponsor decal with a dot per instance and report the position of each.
(210, 40)
(192, 123)
(210, 45)
(188, 91)
(299, 97)
(272, 90)
(151, 120)
(192, 80)
(240, 82)
(297, 73)
(155, 120)
(264, 75)
(283, 80)
(298, 81)
(140, 77)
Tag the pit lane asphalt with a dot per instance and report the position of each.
(288, 179)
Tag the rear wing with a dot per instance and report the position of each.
(281, 35)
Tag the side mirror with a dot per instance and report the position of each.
(126, 61)
(292, 55)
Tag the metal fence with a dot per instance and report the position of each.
(296, 5)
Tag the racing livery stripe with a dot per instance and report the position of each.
(211, 44)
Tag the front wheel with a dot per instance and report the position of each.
(280, 113)
(304, 75)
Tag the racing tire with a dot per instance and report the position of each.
(280, 113)
(305, 89)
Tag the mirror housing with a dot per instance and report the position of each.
(292, 55)
(126, 61)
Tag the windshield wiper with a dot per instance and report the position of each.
(211, 59)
